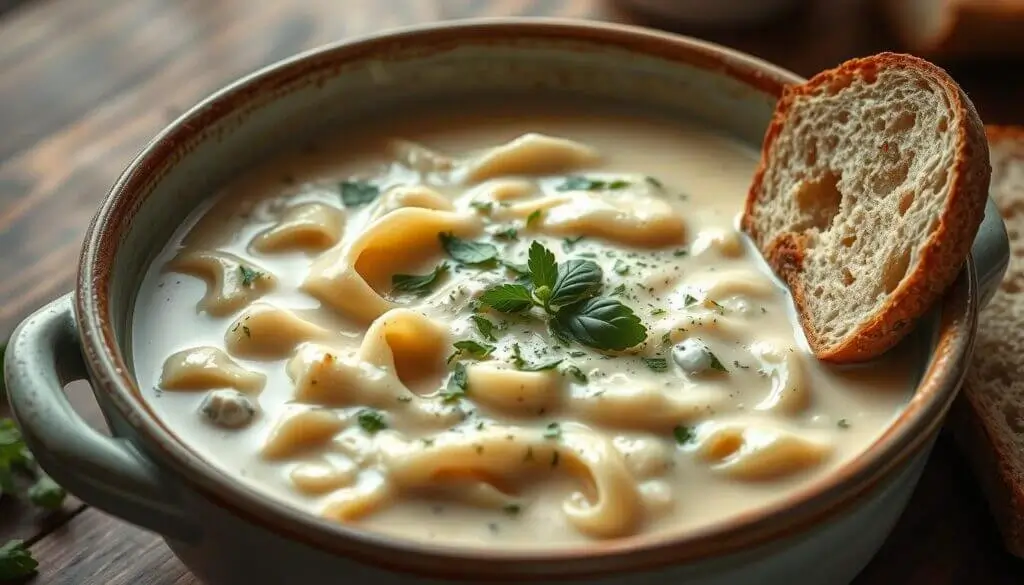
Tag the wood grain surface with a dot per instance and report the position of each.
(84, 84)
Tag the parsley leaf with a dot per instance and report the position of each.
(473, 349)
(467, 251)
(689, 300)
(507, 298)
(419, 284)
(533, 218)
(543, 269)
(371, 420)
(507, 234)
(683, 434)
(16, 561)
(553, 431)
(357, 193)
(484, 326)
(657, 364)
(458, 385)
(46, 494)
(602, 323)
(716, 364)
(576, 280)
(249, 276)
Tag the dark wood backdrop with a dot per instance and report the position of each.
(85, 83)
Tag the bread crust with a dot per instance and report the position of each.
(974, 418)
(940, 258)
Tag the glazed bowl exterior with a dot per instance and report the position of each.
(228, 534)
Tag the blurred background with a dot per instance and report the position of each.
(85, 84)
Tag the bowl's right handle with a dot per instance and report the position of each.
(991, 252)
(43, 355)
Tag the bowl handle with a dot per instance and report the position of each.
(107, 472)
(991, 252)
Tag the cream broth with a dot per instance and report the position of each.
(499, 330)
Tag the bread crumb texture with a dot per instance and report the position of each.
(995, 380)
(871, 187)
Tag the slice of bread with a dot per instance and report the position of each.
(871, 187)
(987, 418)
(955, 29)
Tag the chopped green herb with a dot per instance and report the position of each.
(683, 434)
(507, 298)
(654, 182)
(16, 561)
(419, 284)
(619, 290)
(371, 420)
(358, 193)
(511, 509)
(553, 431)
(576, 373)
(689, 300)
(579, 183)
(46, 494)
(472, 349)
(843, 423)
(716, 364)
(657, 312)
(714, 306)
(621, 267)
(467, 251)
(405, 398)
(549, 365)
(457, 386)
(656, 364)
(249, 276)
(484, 326)
(569, 243)
(533, 218)
(484, 207)
(510, 233)
(680, 252)
(577, 353)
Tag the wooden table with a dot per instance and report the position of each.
(85, 83)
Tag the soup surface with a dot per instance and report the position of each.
(499, 329)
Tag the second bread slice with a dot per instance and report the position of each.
(870, 190)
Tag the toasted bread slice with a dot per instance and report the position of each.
(987, 418)
(871, 187)
(958, 29)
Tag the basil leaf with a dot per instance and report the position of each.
(507, 298)
(458, 385)
(419, 284)
(484, 326)
(357, 193)
(602, 323)
(467, 251)
(576, 280)
(543, 269)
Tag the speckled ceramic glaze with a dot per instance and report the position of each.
(230, 535)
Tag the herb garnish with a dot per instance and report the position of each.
(716, 364)
(371, 420)
(652, 181)
(249, 276)
(16, 561)
(357, 193)
(689, 300)
(569, 243)
(507, 234)
(683, 434)
(656, 364)
(472, 349)
(843, 423)
(419, 284)
(579, 183)
(553, 431)
(468, 251)
(458, 385)
(484, 326)
(484, 207)
(576, 373)
(533, 218)
(549, 365)
(511, 509)
(567, 293)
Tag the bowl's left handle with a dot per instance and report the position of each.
(43, 355)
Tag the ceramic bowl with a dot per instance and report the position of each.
(228, 534)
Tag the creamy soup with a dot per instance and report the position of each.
(499, 329)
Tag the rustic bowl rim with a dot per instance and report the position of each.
(837, 492)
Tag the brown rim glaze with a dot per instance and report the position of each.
(836, 493)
